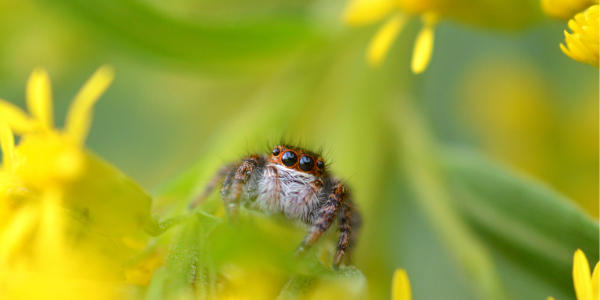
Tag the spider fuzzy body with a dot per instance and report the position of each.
(296, 183)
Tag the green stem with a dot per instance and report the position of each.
(428, 183)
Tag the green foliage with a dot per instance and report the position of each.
(209, 45)
(522, 219)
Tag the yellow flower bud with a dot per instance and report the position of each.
(582, 44)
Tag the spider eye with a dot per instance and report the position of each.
(276, 151)
(306, 163)
(320, 165)
(289, 158)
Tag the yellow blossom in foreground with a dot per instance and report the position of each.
(364, 12)
(65, 214)
(582, 44)
(586, 284)
(401, 286)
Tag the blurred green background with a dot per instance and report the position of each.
(205, 82)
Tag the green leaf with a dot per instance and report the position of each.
(186, 265)
(215, 44)
(258, 239)
(207, 221)
(347, 283)
(523, 219)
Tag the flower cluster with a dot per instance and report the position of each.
(68, 220)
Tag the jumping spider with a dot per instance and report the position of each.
(294, 182)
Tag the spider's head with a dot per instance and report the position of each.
(298, 159)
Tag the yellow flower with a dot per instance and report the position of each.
(586, 284)
(582, 44)
(401, 286)
(363, 12)
(41, 141)
(65, 213)
(565, 9)
(49, 158)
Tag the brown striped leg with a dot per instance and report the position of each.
(349, 222)
(322, 223)
(216, 180)
(234, 185)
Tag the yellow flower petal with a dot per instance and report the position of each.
(567, 52)
(401, 286)
(595, 283)
(550, 298)
(7, 143)
(79, 116)
(581, 276)
(423, 50)
(51, 229)
(39, 98)
(424, 45)
(573, 25)
(574, 41)
(16, 233)
(362, 12)
(383, 39)
(16, 118)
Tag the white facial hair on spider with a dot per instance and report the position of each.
(281, 189)
(292, 181)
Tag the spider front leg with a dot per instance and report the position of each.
(349, 222)
(212, 184)
(322, 223)
(234, 184)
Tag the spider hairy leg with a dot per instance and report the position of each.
(233, 187)
(349, 222)
(215, 181)
(322, 223)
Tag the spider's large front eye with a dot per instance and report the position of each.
(306, 163)
(275, 151)
(289, 158)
